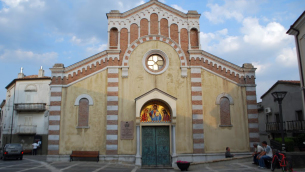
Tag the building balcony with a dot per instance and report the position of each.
(26, 129)
(289, 126)
(30, 107)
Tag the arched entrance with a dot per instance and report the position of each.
(155, 124)
(155, 127)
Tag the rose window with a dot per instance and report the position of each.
(155, 62)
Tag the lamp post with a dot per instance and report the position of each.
(279, 96)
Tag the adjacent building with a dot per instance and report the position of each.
(298, 30)
(26, 111)
(292, 110)
(1, 116)
(154, 96)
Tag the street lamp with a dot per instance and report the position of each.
(279, 96)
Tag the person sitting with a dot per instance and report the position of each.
(265, 155)
(228, 154)
(257, 151)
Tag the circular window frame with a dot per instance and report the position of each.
(155, 52)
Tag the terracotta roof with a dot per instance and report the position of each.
(33, 76)
(292, 82)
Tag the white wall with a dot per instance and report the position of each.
(38, 118)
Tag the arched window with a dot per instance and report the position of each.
(83, 112)
(225, 117)
(114, 38)
(224, 101)
(30, 88)
(194, 38)
(83, 102)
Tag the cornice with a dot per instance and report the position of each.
(218, 59)
(297, 24)
(143, 6)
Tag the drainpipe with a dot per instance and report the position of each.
(13, 113)
(300, 60)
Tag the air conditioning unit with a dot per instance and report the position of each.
(267, 110)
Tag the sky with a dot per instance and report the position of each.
(36, 33)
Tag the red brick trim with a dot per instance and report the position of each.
(54, 94)
(53, 152)
(198, 131)
(111, 142)
(111, 152)
(112, 112)
(112, 103)
(253, 132)
(53, 132)
(198, 151)
(53, 142)
(55, 112)
(53, 122)
(198, 140)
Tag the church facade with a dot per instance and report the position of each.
(154, 96)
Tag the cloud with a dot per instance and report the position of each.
(20, 56)
(179, 8)
(271, 34)
(253, 39)
(230, 10)
(219, 41)
(13, 3)
(261, 68)
(86, 41)
(59, 40)
(266, 46)
(140, 3)
(287, 57)
(96, 49)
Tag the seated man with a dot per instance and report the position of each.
(228, 154)
(266, 154)
(257, 151)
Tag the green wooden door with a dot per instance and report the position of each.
(155, 146)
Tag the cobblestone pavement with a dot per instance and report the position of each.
(38, 164)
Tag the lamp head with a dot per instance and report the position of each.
(279, 95)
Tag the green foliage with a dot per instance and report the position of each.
(289, 143)
(299, 140)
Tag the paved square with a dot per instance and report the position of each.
(39, 164)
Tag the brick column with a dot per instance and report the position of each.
(54, 120)
(112, 112)
(252, 116)
(197, 112)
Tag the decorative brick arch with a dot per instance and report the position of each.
(161, 38)
(86, 96)
(226, 96)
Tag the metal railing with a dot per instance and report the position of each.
(26, 129)
(289, 126)
(295, 125)
(30, 106)
(275, 145)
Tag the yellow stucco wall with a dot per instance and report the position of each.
(139, 82)
(217, 138)
(94, 138)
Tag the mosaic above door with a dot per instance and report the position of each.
(154, 112)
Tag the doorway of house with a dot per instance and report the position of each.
(156, 146)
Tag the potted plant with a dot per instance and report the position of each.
(183, 165)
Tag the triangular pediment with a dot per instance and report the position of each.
(154, 4)
(154, 92)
